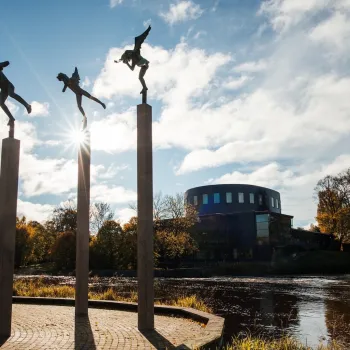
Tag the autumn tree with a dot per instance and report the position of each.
(100, 213)
(64, 218)
(107, 245)
(40, 243)
(63, 250)
(333, 210)
(22, 238)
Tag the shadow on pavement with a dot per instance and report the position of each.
(159, 342)
(83, 336)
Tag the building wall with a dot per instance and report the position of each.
(263, 198)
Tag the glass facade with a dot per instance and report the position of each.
(216, 198)
(272, 202)
(251, 198)
(228, 197)
(262, 225)
(277, 204)
(240, 197)
(195, 200)
(205, 199)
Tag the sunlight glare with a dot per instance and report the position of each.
(78, 137)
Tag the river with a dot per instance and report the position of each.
(308, 308)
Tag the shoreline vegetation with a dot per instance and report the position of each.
(40, 288)
(248, 342)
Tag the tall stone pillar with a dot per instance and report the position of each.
(82, 249)
(145, 218)
(8, 211)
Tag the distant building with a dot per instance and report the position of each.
(238, 221)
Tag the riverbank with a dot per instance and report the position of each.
(285, 343)
(312, 262)
(42, 287)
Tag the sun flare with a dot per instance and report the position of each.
(78, 137)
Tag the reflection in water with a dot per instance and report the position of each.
(309, 308)
(338, 312)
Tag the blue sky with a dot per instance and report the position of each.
(242, 92)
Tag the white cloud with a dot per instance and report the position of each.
(112, 194)
(147, 23)
(124, 215)
(112, 171)
(176, 76)
(115, 133)
(181, 11)
(236, 83)
(86, 82)
(285, 13)
(50, 175)
(34, 211)
(114, 3)
(39, 109)
(295, 183)
(335, 31)
(251, 67)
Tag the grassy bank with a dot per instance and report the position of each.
(285, 343)
(39, 288)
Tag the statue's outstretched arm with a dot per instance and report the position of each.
(64, 88)
(4, 64)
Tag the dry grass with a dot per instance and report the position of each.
(39, 288)
(285, 343)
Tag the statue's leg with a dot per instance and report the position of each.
(3, 98)
(85, 93)
(79, 99)
(19, 99)
(143, 71)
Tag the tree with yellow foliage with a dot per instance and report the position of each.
(333, 210)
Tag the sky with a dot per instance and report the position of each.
(253, 92)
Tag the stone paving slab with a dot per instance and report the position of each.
(55, 327)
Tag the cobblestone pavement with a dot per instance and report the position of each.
(54, 327)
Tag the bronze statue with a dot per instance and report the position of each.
(7, 89)
(136, 59)
(73, 84)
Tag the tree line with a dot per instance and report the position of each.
(112, 245)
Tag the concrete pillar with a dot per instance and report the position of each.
(145, 218)
(82, 249)
(8, 211)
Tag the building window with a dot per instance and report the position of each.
(272, 202)
(277, 205)
(205, 199)
(228, 197)
(251, 198)
(260, 199)
(240, 197)
(216, 198)
(262, 226)
(195, 200)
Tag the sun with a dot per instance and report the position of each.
(78, 137)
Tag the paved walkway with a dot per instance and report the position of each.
(53, 327)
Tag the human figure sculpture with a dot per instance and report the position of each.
(7, 89)
(136, 59)
(73, 84)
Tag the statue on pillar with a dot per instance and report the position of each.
(137, 60)
(73, 84)
(7, 89)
